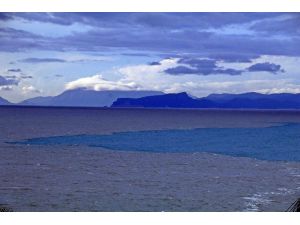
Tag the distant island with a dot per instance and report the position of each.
(250, 100)
(157, 99)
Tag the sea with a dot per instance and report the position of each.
(110, 159)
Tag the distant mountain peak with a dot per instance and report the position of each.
(3, 101)
(87, 98)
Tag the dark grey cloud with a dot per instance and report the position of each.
(162, 33)
(233, 57)
(154, 63)
(265, 67)
(14, 77)
(209, 67)
(26, 77)
(187, 41)
(225, 57)
(205, 64)
(179, 70)
(4, 81)
(136, 54)
(5, 16)
(14, 40)
(11, 77)
(200, 67)
(58, 60)
(43, 60)
(289, 25)
(166, 20)
(14, 70)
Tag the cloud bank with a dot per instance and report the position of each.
(155, 77)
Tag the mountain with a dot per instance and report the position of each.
(254, 96)
(257, 100)
(37, 101)
(86, 98)
(180, 100)
(4, 102)
(221, 98)
(250, 100)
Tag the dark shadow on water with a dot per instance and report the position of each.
(276, 143)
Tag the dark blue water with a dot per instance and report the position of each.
(270, 143)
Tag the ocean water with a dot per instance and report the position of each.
(83, 159)
(280, 142)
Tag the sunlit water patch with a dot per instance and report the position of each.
(268, 143)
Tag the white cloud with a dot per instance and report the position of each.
(153, 77)
(98, 83)
(6, 88)
(140, 77)
(30, 89)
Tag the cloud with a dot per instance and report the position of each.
(11, 77)
(154, 63)
(166, 20)
(14, 40)
(26, 77)
(5, 16)
(191, 33)
(4, 81)
(200, 67)
(265, 67)
(285, 25)
(6, 88)
(233, 57)
(59, 60)
(148, 77)
(132, 78)
(179, 70)
(20, 76)
(98, 83)
(41, 17)
(30, 89)
(136, 54)
(42, 60)
(14, 70)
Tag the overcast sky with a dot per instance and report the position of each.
(43, 54)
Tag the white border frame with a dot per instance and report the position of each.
(152, 218)
(149, 5)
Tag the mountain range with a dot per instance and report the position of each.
(86, 98)
(250, 100)
(156, 99)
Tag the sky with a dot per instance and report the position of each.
(45, 54)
